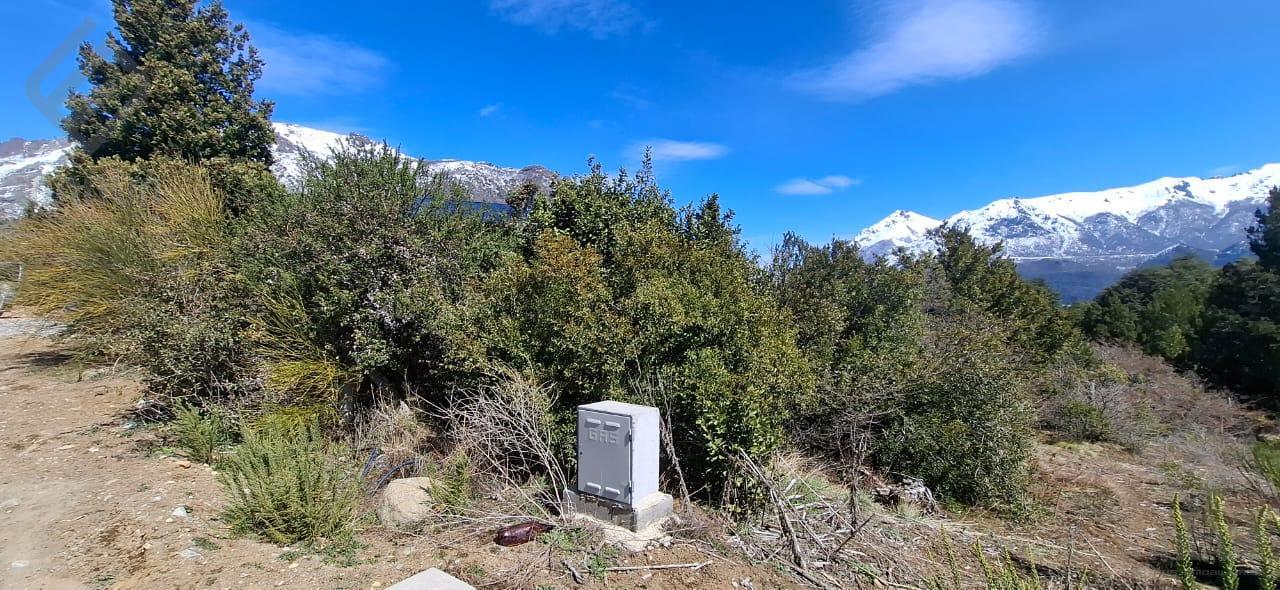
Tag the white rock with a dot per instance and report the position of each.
(405, 503)
(181, 512)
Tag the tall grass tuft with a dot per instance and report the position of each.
(1266, 554)
(1226, 547)
(201, 434)
(1182, 544)
(290, 485)
(88, 262)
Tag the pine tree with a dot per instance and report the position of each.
(1264, 237)
(178, 81)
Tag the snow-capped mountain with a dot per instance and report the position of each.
(900, 228)
(1105, 233)
(24, 164)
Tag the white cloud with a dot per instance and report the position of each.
(490, 109)
(670, 150)
(822, 186)
(598, 18)
(311, 64)
(927, 41)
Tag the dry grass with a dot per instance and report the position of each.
(85, 263)
(507, 429)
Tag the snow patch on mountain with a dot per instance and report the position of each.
(900, 228)
(1207, 213)
(26, 164)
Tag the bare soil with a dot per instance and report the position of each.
(88, 498)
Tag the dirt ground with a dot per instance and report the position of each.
(88, 500)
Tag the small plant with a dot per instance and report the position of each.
(600, 562)
(1266, 461)
(1182, 545)
(452, 486)
(565, 539)
(290, 485)
(201, 434)
(1226, 548)
(203, 543)
(1266, 555)
(1079, 420)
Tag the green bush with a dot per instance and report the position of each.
(136, 263)
(615, 286)
(1078, 420)
(1266, 461)
(290, 485)
(202, 434)
(965, 428)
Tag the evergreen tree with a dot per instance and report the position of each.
(178, 81)
(1264, 237)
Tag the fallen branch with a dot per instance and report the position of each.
(669, 566)
(577, 577)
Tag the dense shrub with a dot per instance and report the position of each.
(289, 485)
(137, 263)
(616, 285)
(1079, 420)
(361, 272)
(965, 427)
(203, 435)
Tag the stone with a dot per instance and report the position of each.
(432, 579)
(180, 512)
(189, 553)
(406, 503)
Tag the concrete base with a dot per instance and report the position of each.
(642, 515)
(432, 579)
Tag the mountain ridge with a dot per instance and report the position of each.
(25, 163)
(1101, 233)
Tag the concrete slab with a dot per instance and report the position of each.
(432, 579)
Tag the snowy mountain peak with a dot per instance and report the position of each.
(24, 165)
(1108, 231)
(901, 227)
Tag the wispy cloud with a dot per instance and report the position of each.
(311, 64)
(1226, 170)
(928, 41)
(490, 109)
(670, 150)
(631, 96)
(598, 18)
(820, 186)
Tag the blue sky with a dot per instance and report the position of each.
(819, 117)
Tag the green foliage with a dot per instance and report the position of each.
(1238, 344)
(177, 81)
(136, 263)
(1159, 309)
(615, 286)
(362, 278)
(1226, 547)
(1264, 235)
(1182, 547)
(290, 485)
(1266, 461)
(1263, 521)
(202, 434)
(965, 427)
(1078, 420)
(452, 485)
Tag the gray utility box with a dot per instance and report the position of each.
(618, 464)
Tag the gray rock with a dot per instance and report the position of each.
(406, 503)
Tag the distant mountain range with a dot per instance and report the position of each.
(1081, 242)
(24, 164)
